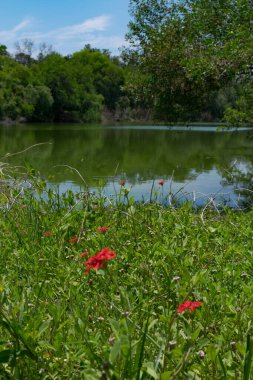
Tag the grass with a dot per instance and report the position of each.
(121, 321)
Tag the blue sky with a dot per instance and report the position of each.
(65, 24)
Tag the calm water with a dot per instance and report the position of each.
(198, 162)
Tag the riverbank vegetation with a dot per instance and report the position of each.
(187, 61)
(57, 88)
(195, 57)
(98, 289)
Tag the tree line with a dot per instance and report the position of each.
(58, 88)
(186, 61)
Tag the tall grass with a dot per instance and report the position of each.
(121, 321)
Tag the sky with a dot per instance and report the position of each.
(67, 25)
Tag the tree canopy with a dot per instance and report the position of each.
(189, 49)
(57, 88)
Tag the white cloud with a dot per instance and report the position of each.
(9, 35)
(95, 24)
(94, 31)
(22, 25)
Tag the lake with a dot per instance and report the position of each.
(197, 163)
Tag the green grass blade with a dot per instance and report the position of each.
(248, 358)
(140, 351)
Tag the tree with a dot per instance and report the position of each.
(24, 50)
(53, 73)
(242, 112)
(41, 101)
(20, 96)
(189, 49)
(44, 50)
(3, 51)
(106, 73)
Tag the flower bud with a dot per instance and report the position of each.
(201, 354)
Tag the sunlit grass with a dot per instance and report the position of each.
(122, 320)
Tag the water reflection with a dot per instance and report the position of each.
(203, 163)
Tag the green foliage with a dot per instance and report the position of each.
(21, 97)
(53, 73)
(41, 99)
(3, 51)
(107, 75)
(189, 49)
(121, 321)
(242, 112)
(57, 88)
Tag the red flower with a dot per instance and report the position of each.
(97, 261)
(47, 233)
(102, 230)
(74, 240)
(188, 305)
(161, 183)
(106, 254)
(84, 254)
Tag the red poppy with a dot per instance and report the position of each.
(47, 233)
(188, 305)
(161, 183)
(85, 253)
(97, 261)
(74, 240)
(102, 230)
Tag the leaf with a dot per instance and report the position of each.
(149, 369)
(115, 351)
(152, 324)
(222, 366)
(6, 355)
(43, 327)
(212, 352)
(196, 333)
(248, 358)
(212, 229)
(166, 375)
(115, 328)
(140, 351)
(199, 276)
